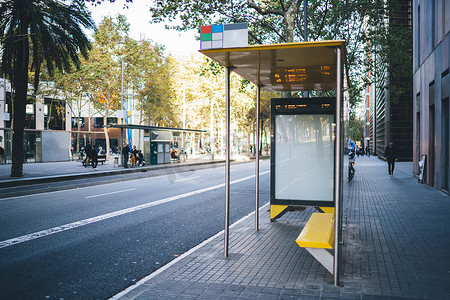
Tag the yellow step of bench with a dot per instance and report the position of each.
(326, 209)
(318, 232)
(317, 236)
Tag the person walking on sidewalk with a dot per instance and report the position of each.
(125, 152)
(94, 157)
(391, 157)
(87, 151)
(2, 156)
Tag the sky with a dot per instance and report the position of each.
(138, 15)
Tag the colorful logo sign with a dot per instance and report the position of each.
(224, 36)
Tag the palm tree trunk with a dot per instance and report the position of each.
(20, 80)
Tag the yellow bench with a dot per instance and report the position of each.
(318, 235)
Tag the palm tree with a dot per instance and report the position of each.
(49, 32)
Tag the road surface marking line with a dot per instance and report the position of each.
(47, 232)
(182, 256)
(231, 170)
(184, 179)
(110, 193)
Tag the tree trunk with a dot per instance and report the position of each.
(78, 133)
(20, 82)
(105, 130)
(289, 19)
(49, 116)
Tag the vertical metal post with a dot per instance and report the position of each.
(121, 148)
(258, 140)
(122, 121)
(305, 32)
(121, 94)
(227, 161)
(183, 137)
(338, 166)
(89, 117)
(211, 130)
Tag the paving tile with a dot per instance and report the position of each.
(396, 244)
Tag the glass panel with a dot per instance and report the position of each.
(304, 157)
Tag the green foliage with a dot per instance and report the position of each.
(388, 40)
(273, 21)
(51, 33)
(150, 77)
(212, 67)
(356, 128)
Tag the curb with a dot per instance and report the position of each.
(66, 177)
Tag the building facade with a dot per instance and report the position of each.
(389, 120)
(431, 91)
(51, 129)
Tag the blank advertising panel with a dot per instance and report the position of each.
(303, 153)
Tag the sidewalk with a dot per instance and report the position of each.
(396, 245)
(66, 170)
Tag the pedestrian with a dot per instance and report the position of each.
(87, 151)
(368, 150)
(391, 157)
(140, 158)
(2, 156)
(94, 157)
(134, 153)
(125, 152)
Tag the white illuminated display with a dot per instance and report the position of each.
(304, 157)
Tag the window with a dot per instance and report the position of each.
(112, 121)
(98, 122)
(75, 124)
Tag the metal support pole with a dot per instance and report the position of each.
(211, 130)
(338, 167)
(121, 148)
(121, 94)
(183, 137)
(305, 32)
(258, 101)
(227, 161)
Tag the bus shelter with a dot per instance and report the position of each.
(291, 67)
(157, 140)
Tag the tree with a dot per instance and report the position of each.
(279, 21)
(268, 21)
(356, 128)
(150, 78)
(388, 41)
(102, 71)
(71, 87)
(51, 33)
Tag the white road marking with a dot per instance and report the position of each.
(181, 257)
(231, 170)
(189, 178)
(110, 193)
(47, 232)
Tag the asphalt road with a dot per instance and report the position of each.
(92, 242)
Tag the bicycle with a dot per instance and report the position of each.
(351, 163)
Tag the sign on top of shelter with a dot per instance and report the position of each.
(224, 36)
(284, 67)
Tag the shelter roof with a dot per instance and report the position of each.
(284, 67)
